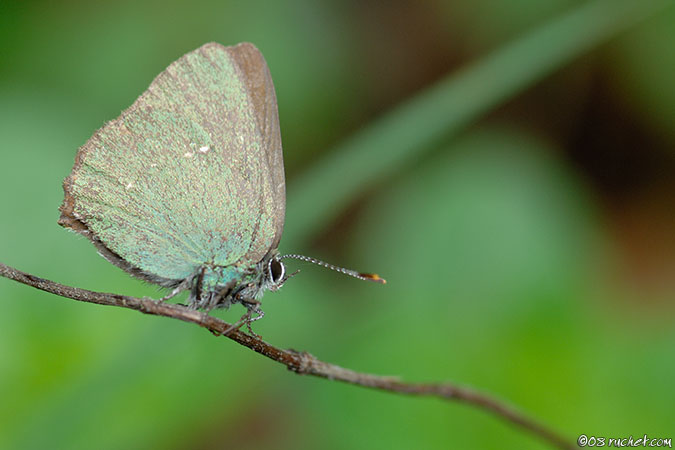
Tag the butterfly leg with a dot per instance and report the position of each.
(203, 295)
(238, 324)
(198, 290)
(177, 290)
(217, 299)
(183, 285)
(253, 308)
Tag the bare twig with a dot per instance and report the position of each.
(299, 362)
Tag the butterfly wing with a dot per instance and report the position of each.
(190, 174)
(262, 95)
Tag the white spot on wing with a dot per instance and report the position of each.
(204, 149)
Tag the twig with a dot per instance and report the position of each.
(299, 362)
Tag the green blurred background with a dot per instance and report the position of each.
(522, 212)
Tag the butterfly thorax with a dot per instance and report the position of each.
(221, 286)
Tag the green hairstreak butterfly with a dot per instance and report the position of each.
(186, 189)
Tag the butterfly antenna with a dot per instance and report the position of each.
(360, 275)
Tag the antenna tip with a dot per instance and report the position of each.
(373, 277)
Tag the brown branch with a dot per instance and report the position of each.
(299, 362)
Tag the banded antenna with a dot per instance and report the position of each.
(352, 273)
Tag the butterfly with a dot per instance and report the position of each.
(186, 188)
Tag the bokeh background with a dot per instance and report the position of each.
(526, 234)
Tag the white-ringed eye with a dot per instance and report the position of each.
(277, 270)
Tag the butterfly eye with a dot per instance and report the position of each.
(277, 270)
